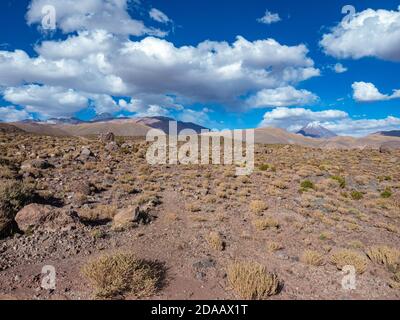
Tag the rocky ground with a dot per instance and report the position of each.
(303, 214)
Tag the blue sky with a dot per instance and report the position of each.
(358, 101)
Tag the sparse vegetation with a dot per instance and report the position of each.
(307, 185)
(123, 273)
(340, 180)
(265, 223)
(252, 281)
(387, 193)
(342, 258)
(14, 195)
(348, 199)
(258, 207)
(384, 255)
(356, 195)
(264, 167)
(215, 241)
(273, 246)
(313, 258)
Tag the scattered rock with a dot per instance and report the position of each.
(85, 154)
(389, 147)
(112, 147)
(108, 137)
(44, 217)
(35, 164)
(204, 264)
(130, 216)
(32, 216)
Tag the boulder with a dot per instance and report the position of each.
(389, 147)
(35, 164)
(45, 217)
(32, 216)
(84, 187)
(108, 137)
(85, 154)
(132, 215)
(112, 147)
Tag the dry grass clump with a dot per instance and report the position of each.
(123, 273)
(342, 258)
(252, 281)
(274, 246)
(14, 195)
(395, 281)
(193, 207)
(265, 223)
(171, 216)
(384, 255)
(313, 258)
(215, 241)
(102, 213)
(386, 226)
(258, 207)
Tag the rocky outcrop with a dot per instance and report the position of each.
(135, 215)
(389, 147)
(44, 217)
(35, 164)
(108, 137)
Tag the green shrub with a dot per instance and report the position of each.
(387, 193)
(307, 184)
(356, 195)
(340, 180)
(263, 167)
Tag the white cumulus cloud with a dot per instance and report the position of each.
(72, 15)
(367, 92)
(339, 68)
(159, 16)
(371, 33)
(340, 122)
(48, 101)
(269, 18)
(282, 97)
(11, 114)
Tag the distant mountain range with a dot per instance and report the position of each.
(394, 133)
(315, 130)
(312, 135)
(103, 123)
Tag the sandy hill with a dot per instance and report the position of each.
(140, 126)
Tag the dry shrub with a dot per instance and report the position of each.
(313, 258)
(274, 246)
(384, 255)
(264, 224)
(258, 207)
(171, 216)
(123, 273)
(342, 258)
(252, 281)
(388, 227)
(215, 241)
(101, 213)
(14, 195)
(193, 207)
(395, 281)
